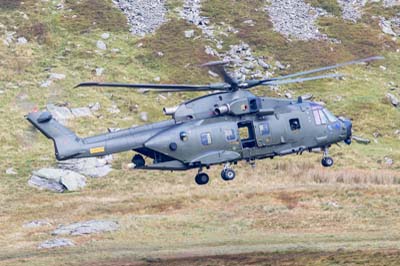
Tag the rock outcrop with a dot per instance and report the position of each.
(57, 180)
(295, 19)
(62, 113)
(88, 227)
(93, 167)
(56, 243)
(144, 16)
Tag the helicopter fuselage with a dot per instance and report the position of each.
(213, 129)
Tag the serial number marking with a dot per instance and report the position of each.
(97, 150)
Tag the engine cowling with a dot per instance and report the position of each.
(223, 109)
(170, 110)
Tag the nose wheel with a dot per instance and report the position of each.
(326, 160)
(228, 174)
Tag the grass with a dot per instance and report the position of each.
(88, 15)
(283, 204)
(331, 6)
(181, 56)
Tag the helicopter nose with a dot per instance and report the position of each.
(349, 126)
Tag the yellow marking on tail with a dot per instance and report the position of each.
(97, 150)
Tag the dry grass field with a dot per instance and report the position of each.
(286, 211)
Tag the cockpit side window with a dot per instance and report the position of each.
(329, 115)
(317, 118)
(322, 116)
(324, 119)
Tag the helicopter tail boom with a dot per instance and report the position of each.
(66, 143)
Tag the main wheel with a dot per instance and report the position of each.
(327, 162)
(228, 174)
(138, 161)
(202, 179)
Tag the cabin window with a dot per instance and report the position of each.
(206, 138)
(294, 124)
(230, 135)
(264, 128)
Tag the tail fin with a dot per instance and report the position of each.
(67, 145)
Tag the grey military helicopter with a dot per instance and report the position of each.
(229, 125)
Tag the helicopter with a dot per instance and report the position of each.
(221, 128)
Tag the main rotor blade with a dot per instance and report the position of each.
(218, 68)
(164, 87)
(368, 59)
(287, 81)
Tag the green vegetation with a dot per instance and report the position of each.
(181, 57)
(89, 15)
(375, 9)
(281, 205)
(332, 6)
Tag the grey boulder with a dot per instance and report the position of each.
(57, 180)
(393, 99)
(22, 41)
(56, 76)
(46, 184)
(81, 112)
(56, 243)
(88, 227)
(189, 33)
(93, 167)
(36, 224)
(61, 113)
(386, 26)
(101, 45)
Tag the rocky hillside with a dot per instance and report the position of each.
(47, 47)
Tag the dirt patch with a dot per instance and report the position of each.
(290, 200)
(35, 31)
(386, 257)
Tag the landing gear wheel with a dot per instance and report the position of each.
(138, 161)
(228, 174)
(327, 162)
(202, 179)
